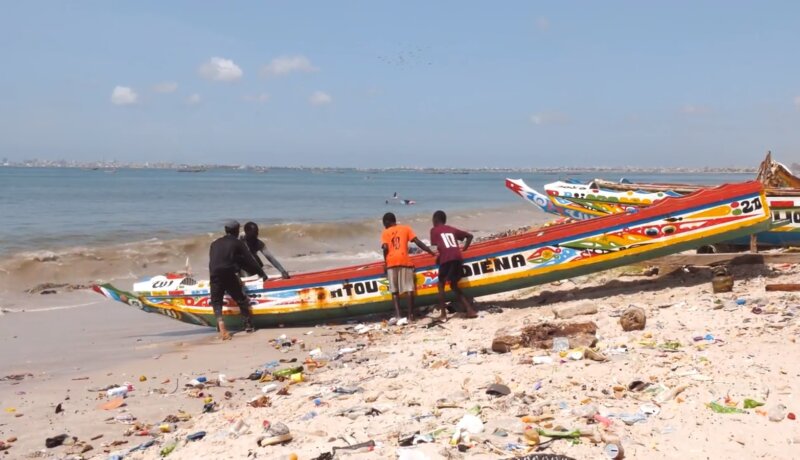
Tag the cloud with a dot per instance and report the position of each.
(797, 102)
(285, 65)
(550, 118)
(220, 69)
(123, 95)
(260, 98)
(320, 98)
(193, 99)
(165, 87)
(690, 109)
(542, 24)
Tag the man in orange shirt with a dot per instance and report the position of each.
(399, 268)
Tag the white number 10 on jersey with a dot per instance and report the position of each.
(449, 240)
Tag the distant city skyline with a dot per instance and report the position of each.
(373, 85)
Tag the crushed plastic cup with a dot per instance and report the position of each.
(542, 360)
(470, 423)
(560, 344)
(238, 428)
(402, 321)
(575, 355)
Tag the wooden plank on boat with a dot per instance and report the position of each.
(735, 258)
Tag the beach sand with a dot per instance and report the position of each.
(402, 373)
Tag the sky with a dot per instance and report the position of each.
(412, 83)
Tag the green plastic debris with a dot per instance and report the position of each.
(474, 410)
(720, 409)
(168, 449)
(752, 403)
(285, 373)
(671, 345)
(574, 434)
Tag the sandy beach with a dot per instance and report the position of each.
(382, 384)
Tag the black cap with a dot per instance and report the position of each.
(231, 225)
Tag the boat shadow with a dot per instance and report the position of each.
(683, 277)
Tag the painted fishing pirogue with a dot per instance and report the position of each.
(490, 267)
(582, 201)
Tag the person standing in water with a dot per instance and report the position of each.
(450, 261)
(256, 246)
(399, 268)
(227, 256)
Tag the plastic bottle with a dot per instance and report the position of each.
(167, 427)
(117, 392)
(269, 388)
(308, 416)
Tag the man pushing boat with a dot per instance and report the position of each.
(257, 246)
(227, 256)
(399, 267)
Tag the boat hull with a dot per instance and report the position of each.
(581, 201)
(501, 265)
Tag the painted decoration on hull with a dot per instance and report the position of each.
(496, 266)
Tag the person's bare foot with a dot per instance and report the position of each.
(223, 331)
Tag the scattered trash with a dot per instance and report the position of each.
(614, 451)
(542, 360)
(347, 390)
(196, 436)
(55, 441)
(113, 404)
(777, 413)
(277, 433)
(498, 389)
(560, 344)
(260, 401)
(752, 403)
(720, 409)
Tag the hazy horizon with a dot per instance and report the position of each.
(374, 85)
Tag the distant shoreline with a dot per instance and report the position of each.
(264, 169)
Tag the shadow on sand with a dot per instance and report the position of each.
(691, 276)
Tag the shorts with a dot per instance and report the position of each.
(401, 279)
(450, 272)
(228, 283)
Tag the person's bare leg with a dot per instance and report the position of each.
(396, 305)
(442, 306)
(465, 301)
(411, 307)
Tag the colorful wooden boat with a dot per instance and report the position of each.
(505, 264)
(581, 201)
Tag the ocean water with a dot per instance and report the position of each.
(45, 209)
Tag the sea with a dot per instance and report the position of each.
(76, 226)
(56, 208)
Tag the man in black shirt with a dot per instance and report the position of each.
(255, 246)
(227, 256)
